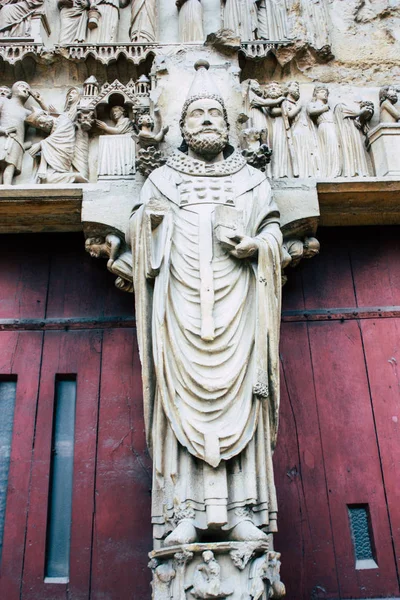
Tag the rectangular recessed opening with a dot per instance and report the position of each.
(361, 534)
(8, 388)
(61, 479)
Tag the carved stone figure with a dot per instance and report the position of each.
(119, 258)
(272, 20)
(15, 16)
(163, 576)
(12, 130)
(240, 16)
(206, 243)
(116, 153)
(303, 141)
(103, 28)
(279, 131)
(55, 153)
(151, 134)
(207, 582)
(5, 91)
(143, 27)
(321, 113)
(190, 20)
(80, 161)
(73, 21)
(316, 23)
(388, 98)
(353, 127)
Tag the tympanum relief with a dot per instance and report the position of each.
(308, 139)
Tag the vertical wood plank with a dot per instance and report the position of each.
(64, 353)
(381, 343)
(20, 354)
(351, 454)
(122, 521)
(305, 537)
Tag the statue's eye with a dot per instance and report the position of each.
(215, 112)
(197, 113)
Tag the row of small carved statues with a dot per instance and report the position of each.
(97, 21)
(63, 155)
(309, 140)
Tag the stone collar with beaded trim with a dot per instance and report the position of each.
(190, 166)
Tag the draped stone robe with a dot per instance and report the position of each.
(208, 332)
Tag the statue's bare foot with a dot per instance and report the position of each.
(185, 533)
(246, 531)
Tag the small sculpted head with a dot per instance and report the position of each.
(293, 89)
(5, 91)
(321, 93)
(208, 556)
(145, 121)
(73, 95)
(97, 247)
(21, 90)
(388, 92)
(117, 112)
(273, 90)
(204, 126)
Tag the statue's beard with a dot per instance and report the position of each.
(207, 145)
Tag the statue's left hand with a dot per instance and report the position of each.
(35, 148)
(246, 247)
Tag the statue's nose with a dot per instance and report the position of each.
(206, 121)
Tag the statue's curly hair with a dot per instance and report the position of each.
(384, 93)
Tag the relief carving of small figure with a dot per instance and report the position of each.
(272, 20)
(190, 20)
(73, 21)
(13, 115)
(240, 16)
(279, 130)
(15, 16)
(103, 19)
(151, 134)
(303, 135)
(143, 29)
(116, 149)
(207, 582)
(119, 258)
(353, 125)
(54, 153)
(390, 113)
(163, 576)
(321, 113)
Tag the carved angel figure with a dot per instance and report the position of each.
(190, 20)
(15, 16)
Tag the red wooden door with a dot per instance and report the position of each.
(61, 316)
(339, 443)
(338, 446)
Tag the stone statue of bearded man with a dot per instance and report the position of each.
(206, 247)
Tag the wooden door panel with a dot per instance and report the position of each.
(64, 353)
(382, 350)
(308, 560)
(20, 355)
(351, 454)
(122, 535)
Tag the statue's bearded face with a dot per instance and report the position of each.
(392, 95)
(294, 90)
(273, 90)
(205, 130)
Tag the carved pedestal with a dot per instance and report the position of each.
(225, 570)
(385, 140)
